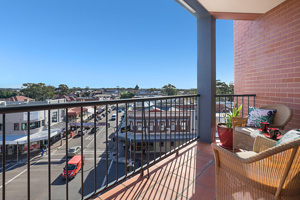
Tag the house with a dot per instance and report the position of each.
(19, 99)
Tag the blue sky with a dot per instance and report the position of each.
(104, 43)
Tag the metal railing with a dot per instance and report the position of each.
(154, 128)
(225, 103)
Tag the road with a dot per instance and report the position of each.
(16, 175)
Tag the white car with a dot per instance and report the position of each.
(73, 151)
(113, 117)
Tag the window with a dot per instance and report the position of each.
(139, 125)
(162, 126)
(16, 126)
(183, 125)
(173, 126)
(54, 116)
(43, 122)
(162, 144)
(24, 126)
(172, 144)
(131, 125)
(34, 125)
(151, 126)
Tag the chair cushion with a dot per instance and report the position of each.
(248, 131)
(257, 115)
(246, 154)
(289, 136)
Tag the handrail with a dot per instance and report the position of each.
(235, 95)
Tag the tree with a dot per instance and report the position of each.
(169, 89)
(38, 91)
(223, 88)
(7, 93)
(136, 87)
(126, 95)
(63, 89)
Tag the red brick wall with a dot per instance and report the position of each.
(267, 58)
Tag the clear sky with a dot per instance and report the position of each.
(104, 43)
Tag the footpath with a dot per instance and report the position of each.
(34, 155)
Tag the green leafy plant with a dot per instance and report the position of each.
(235, 113)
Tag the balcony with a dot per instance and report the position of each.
(158, 147)
(120, 165)
(188, 175)
(144, 133)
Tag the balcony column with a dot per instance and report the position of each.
(206, 75)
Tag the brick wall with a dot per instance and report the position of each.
(267, 58)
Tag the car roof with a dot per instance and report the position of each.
(75, 159)
(74, 147)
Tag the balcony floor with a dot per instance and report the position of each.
(190, 175)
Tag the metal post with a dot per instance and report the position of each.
(17, 151)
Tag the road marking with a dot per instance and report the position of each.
(88, 159)
(18, 174)
(96, 135)
(84, 152)
(104, 180)
(90, 137)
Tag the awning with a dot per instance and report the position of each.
(21, 139)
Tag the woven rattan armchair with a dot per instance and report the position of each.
(265, 173)
(242, 137)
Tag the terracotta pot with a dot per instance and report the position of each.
(225, 136)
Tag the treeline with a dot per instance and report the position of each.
(224, 88)
(41, 91)
(7, 93)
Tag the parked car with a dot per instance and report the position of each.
(113, 117)
(74, 166)
(93, 129)
(103, 114)
(120, 110)
(84, 131)
(73, 151)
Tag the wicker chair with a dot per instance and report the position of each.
(265, 173)
(243, 137)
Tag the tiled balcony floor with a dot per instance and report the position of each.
(190, 175)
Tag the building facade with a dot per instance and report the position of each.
(267, 58)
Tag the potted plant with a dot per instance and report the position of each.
(225, 130)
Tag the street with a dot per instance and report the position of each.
(16, 174)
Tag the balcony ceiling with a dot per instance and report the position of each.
(235, 9)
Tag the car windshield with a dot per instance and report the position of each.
(71, 150)
(70, 167)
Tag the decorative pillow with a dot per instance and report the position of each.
(289, 136)
(257, 115)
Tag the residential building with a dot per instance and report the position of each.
(267, 58)
(19, 99)
(16, 126)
